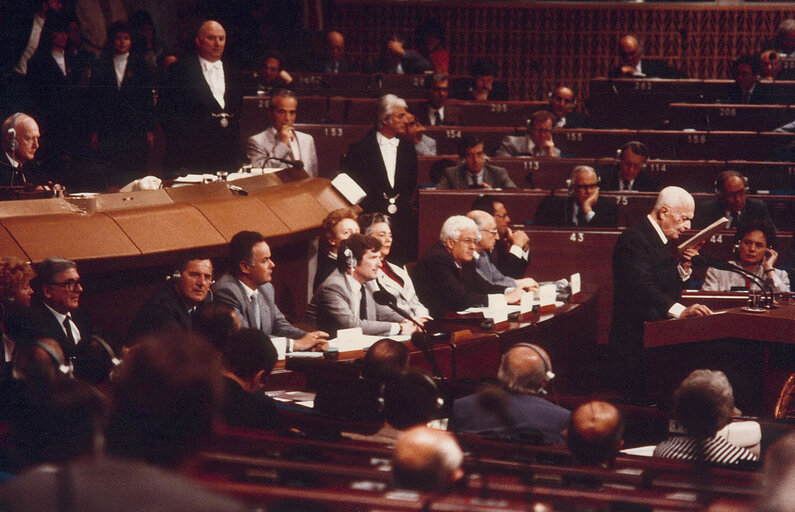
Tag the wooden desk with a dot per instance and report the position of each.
(759, 118)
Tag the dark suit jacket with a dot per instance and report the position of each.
(195, 139)
(711, 210)
(461, 89)
(452, 114)
(457, 177)
(365, 165)
(644, 182)
(509, 264)
(325, 266)
(27, 325)
(412, 63)
(239, 408)
(557, 211)
(323, 65)
(164, 310)
(522, 410)
(763, 94)
(652, 68)
(442, 288)
(576, 120)
(646, 284)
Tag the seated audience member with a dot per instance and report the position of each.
(431, 37)
(482, 86)
(703, 404)
(732, 202)
(753, 242)
(778, 475)
(633, 65)
(511, 252)
(123, 119)
(628, 173)
(173, 305)
(359, 398)
(473, 171)
(447, 279)
(517, 408)
(746, 88)
(437, 111)
(769, 65)
(395, 59)
(415, 133)
(247, 289)
(333, 60)
(281, 144)
(248, 358)
(561, 104)
(538, 141)
(784, 42)
(271, 74)
(487, 228)
(582, 208)
(36, 364)
(393, 278)
(216, 322)
(94, 361)
(15, 296)
(20, 141)
(428, 460)
(344, 301)
(594, 433)
(55, 310)
(338, 225)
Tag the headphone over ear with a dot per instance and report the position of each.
(578, 168)
(640, 148)
(350, 260)
(548, 373)
(12, 132)
(725, 175)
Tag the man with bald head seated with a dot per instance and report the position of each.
(594, 433)
(633, 65)
(732, 202)
(582, 208)
(561, 104)
(648, 282)
(20, 142)
(199, 107)
(427, 460)
(511, 251)
(485, 267)
(517, 407)
(446, 276)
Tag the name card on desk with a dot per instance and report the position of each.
(576, 283)
(347, 337)
(526, 302)
(498, 307)
(546, 294)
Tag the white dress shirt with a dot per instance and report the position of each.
(388, 149)
(61, 317)
(58, 55)
(120, 66)
(214, 75)
(675, 311)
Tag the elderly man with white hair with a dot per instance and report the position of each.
(447, 279)
(648, 281)
(384, 164)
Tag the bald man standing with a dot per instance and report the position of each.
(200, 106)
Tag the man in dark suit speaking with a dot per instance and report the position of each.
(648, 281)
(384, 164)
(200, 107)
(248, 290)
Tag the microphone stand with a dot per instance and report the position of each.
(705, 261)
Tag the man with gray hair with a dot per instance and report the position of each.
(55, 310)
(582, 208)
(517, 407)
(648, 281)
(384, 164)
(703, 404)
(447, 279)
(427, 460)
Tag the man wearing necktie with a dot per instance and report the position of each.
(628, 173)
(55, 310)
(199, 108)
(384, 164)
(732, 202)
(474, 171)
(537, 143)
(248, 290)
(345, 299)
(582, 208)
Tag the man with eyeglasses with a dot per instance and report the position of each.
(447, 279)
(55, 310)
(537, 143)
(437, 112)
(582, 208)
(511, 252)
(173, 305)
(731, 189)
(485, 267)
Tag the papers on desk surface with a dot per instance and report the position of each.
(486, 312)
(348, 340)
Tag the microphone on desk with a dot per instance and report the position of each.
(384, 298)
(235, 188)
(298, 164)
(705, 260)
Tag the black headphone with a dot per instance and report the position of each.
(642, 151)
(725, 175)
(580, 168)
(548, 373)
(438, 401)
(12, 133)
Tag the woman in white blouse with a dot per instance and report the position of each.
(754, 251)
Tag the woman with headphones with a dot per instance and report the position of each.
(753, 248)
